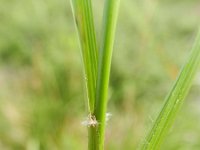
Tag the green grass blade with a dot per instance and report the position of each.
(109, 26)
(82, 11)
(174, 100)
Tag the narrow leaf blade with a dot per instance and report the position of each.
(83, 16)
(174, 100)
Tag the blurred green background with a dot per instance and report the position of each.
(42, 100)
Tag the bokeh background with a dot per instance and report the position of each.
(42, 100)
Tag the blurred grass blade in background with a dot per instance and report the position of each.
(82, 11)
(174, 100)
(108, 32)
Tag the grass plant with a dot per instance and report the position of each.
(97, 80)
(40, 80)
(97, 65)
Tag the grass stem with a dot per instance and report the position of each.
(105, 56)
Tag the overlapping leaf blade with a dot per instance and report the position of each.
(83, 16)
